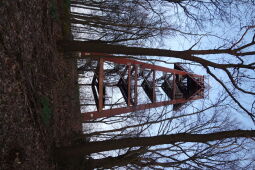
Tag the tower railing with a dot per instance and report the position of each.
(129, 81)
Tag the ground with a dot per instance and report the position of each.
(39, 101)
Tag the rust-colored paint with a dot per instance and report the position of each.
(174, 89)
(100, 113)
(100, 84)
(129, 84)
(153, 86)
(135, 88)
(108, 113)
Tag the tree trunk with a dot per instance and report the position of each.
(90, 46)
(109, 162)
(100, 146)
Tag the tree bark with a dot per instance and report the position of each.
(88, 46)
(111, 162)
(100, 146)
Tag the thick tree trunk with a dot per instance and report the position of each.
(100, 146)
(118, 161)
(90, 46)
(109, 162)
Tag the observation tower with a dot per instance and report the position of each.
(140, 85)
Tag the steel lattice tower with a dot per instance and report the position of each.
(179, 85)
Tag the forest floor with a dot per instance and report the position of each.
(39, 100)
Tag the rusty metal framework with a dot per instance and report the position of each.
(179, 85)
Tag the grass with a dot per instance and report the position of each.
(53, 10)
(46, 112)
(66, 25)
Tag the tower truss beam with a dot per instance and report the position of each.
(179, 86)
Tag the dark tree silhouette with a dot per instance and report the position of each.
(235, 70)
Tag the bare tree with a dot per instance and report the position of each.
(207, 119)
(132, 21)
(199, 144)
(116, 21)
(173, 139)
(236, 65)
